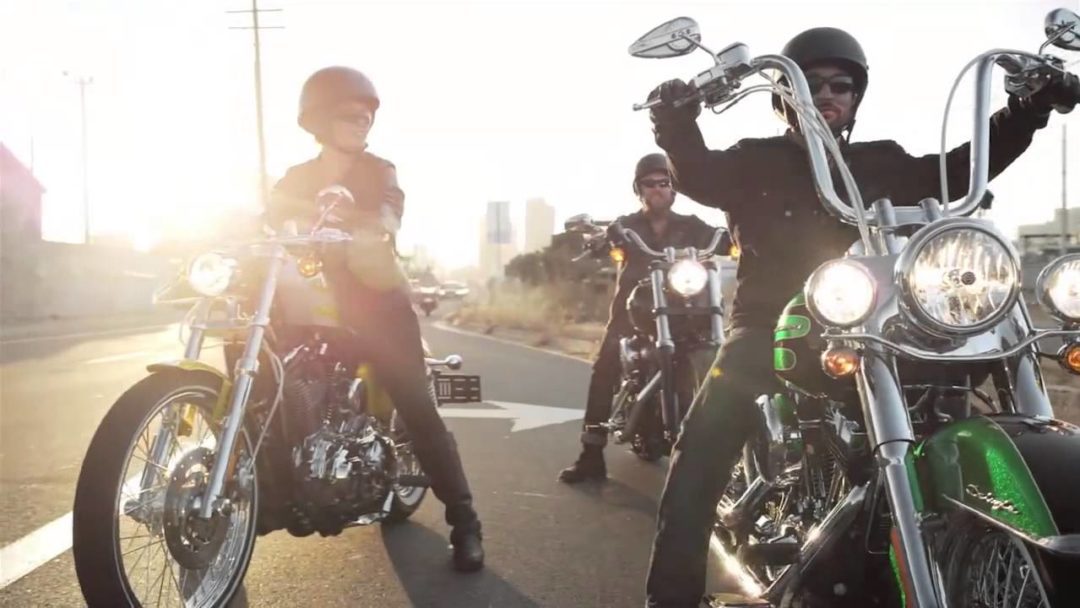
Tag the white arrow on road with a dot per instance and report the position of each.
(525, 416)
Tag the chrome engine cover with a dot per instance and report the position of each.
(342, 474)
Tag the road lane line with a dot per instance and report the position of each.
(121, 357)
(88, 334)
(35, 549)
(41, 546)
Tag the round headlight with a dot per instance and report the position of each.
(1058, 287)
(841, 293)
(959, 277)
(211, 273)
(688, 277)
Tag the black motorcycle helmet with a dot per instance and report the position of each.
(328, 88)
(825, 45)
(650, 163)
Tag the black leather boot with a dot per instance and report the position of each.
(467, 541)
(590, 464)
(452, 488)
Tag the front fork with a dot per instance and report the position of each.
(163, 440)
(665, 347)
(246, 368)
(891, 434)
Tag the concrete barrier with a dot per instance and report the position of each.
(40, 280)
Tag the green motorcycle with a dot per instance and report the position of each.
(914, 459)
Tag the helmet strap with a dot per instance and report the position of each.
(848, 129)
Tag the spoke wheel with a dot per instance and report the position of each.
(138, 539)
(989, 568)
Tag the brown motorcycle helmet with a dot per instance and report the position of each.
(650, 163)
(328, 88)
(825, 45)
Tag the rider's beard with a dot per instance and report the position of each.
(659, 203)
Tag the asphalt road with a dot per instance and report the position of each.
(548, 544)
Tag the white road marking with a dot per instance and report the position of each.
(525, 415)
(46, 543)
(90, 334)
(121, 357)
(531, 494)
(35, 549)
(41, 546)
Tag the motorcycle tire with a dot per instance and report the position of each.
(97, 547)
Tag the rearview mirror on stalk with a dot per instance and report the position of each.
(1063, 29)
(672, 39)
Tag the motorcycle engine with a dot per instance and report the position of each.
(341, 460)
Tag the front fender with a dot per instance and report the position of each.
(196, 366)
(1019, 473)
(187, 365)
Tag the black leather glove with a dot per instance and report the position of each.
(669, 93)
(1061, 93)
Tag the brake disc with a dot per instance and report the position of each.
(193, 542)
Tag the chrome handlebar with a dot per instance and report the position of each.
(636, 239)
(1023, 68)
(719, 84)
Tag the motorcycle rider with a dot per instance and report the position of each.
(659, 227)
(338, 106)
(783, 233)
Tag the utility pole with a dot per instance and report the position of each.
(264, 180)
(1064, 190)
(83, 82)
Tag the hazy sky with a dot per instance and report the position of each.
(500, 100)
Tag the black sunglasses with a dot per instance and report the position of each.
(656, 183)
(841, 85)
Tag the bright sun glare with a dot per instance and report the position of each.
(508, 115)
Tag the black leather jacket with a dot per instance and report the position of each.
(682, 231)
(782, 230)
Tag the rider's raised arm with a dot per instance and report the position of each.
(696, 170)
(1011, 131)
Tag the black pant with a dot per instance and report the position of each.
(606, 371)
(714, 431)
(389, 335)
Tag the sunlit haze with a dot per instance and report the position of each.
(481, 100)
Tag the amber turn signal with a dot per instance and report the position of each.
(840, 361)
(617, 255)
(1069, 356)
(309, 266)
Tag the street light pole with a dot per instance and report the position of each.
(83, 82)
